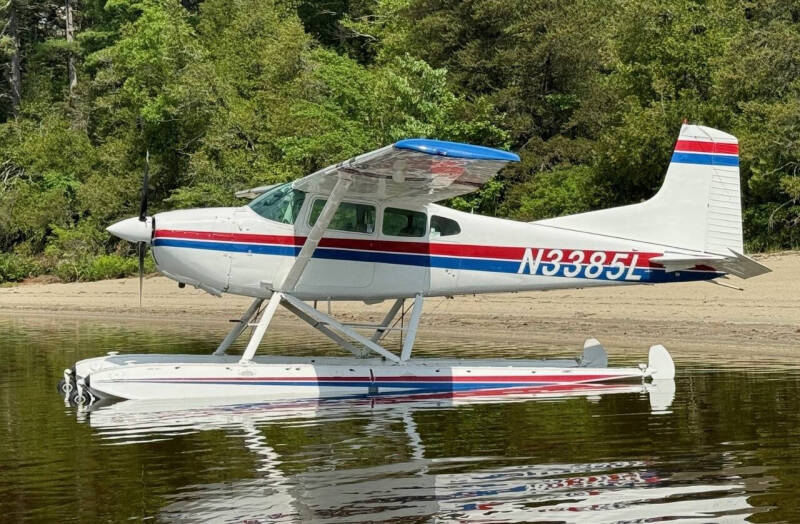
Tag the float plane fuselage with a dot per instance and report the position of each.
(369, 229)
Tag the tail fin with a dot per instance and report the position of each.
(698, 207)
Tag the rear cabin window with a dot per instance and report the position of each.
(404, 223)
(281, 204)
(352, 217)
(442, 227)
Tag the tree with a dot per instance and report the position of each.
(69, 29)
(11, 48)
(228, 94)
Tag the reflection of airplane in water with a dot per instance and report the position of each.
(416, 486)
(125, 419)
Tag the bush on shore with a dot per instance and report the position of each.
(16, 268)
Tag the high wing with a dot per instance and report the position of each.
(416, 170)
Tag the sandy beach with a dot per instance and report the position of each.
(696, 321)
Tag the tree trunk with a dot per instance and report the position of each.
(15, 80)
(73, 74)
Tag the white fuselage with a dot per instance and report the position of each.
(236, 250)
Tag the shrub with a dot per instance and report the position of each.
(100, 268)
(111, 266)
(14, 268)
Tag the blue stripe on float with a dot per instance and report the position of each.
(705, 159)
(409, 259)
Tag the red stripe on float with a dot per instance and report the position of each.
(494, 378)
(553, 379)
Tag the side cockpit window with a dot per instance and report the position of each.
(351, 217)
(442, 227)
(281, 204)
(404, 223)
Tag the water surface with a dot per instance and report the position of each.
(723, 446)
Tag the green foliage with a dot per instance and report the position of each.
(72, 254)
(562, 191)
(14, 268)
(77, 242)
(231, 94)
(351, 110)
(112, 266)
(99, 267)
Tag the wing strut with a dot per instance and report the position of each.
(280, 293)
(315, 235)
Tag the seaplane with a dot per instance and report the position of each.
(370, 229)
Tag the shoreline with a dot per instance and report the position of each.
(695, 321)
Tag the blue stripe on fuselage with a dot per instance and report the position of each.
(654, 275)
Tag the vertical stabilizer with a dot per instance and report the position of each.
(712, 154)
(698, 207)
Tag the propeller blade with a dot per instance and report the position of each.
(140, 247)
(145, 188)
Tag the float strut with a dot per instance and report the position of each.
(239, 328)
(322, 328)
(387, 320)
(321, 317)
(261, 327)
(411, 330)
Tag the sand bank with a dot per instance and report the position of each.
(696, 321)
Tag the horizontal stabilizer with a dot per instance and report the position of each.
(738, 264)
(743, 266)
(679, 262)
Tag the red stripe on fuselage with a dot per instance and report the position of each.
(698, 146)
(231, 237)
(569, 256)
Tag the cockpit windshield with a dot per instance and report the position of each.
(281, 203)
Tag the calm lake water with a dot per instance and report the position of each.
(723, 446)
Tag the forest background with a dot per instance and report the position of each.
(232, 94)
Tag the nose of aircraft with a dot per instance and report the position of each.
(133, 229)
